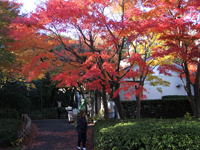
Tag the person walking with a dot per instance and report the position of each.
(59, 108)
(81, 130)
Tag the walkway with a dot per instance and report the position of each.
(56, 134)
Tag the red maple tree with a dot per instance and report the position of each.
(103, 35)
(180, 26)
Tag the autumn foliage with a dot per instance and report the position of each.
(85, 42)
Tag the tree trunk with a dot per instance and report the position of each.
(72, 96)
(194, 103)
(92, 106)
(118, 103)
(193, 106)
(120, 109)
(105, 103)
(53, 97)
(196, 92)
(138, 107)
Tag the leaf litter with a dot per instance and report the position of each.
(69, 139)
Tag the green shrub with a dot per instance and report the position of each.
(35, 115)
(13, 113)
(187, 116)
(9, 131)
(99, 125)
(47, 113)
(50, 113)
(148, 134)
(9, 113)
(158, 108)
(18, 102)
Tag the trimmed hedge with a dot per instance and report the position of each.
(158, 108)
(175, 97)
(146, 134)
(9, 131)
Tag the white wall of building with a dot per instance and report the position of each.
(175, 88)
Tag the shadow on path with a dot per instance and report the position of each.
(57, 134)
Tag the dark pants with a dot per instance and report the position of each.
(81, 138)
(59, 112)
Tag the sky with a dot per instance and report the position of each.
(29, 5)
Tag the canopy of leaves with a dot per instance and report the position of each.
(104, 34)
(8, 12)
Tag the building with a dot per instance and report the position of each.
(175, 88)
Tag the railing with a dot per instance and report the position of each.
(26, 128)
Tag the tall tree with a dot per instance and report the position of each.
(8, 12)
(179, 24)
(103, 31)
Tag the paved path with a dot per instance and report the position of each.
(56, 134)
